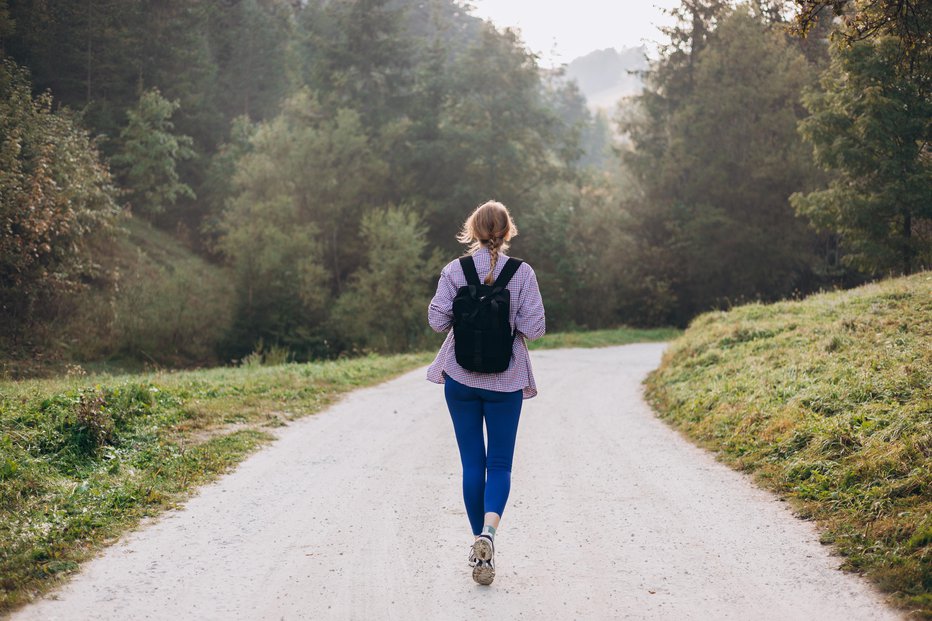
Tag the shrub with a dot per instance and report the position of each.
(56, 196)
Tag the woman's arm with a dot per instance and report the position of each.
(440, 311)
(529, 319)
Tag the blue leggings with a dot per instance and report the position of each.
(486, 475)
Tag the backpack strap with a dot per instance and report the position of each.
(469, 269)
(511, 266)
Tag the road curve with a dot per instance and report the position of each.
(356, 513)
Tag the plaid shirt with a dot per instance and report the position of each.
(526, 314)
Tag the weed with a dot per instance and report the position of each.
(94, 423)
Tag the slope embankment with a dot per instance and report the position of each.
(828, 401)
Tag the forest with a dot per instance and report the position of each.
(195, 182)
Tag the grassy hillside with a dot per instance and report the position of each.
(162, 305)
(827, 400)
(166, 304)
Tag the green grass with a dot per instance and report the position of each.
(82, 459)
(828, 401)
(604, 338)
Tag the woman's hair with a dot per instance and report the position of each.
(490, 225)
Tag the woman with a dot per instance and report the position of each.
(494, 397)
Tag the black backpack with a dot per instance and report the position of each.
(482, 335)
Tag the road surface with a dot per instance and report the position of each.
(356, 513)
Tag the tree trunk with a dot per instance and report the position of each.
(907, 242)
(90, 28)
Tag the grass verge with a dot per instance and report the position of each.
(604, 338)
(828, 401)
(84, 459)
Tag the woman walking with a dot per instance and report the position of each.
(487, 375)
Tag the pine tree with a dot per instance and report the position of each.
(716, 156)
(870, 128)
(149, 155)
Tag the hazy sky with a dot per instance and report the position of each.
(561, 30)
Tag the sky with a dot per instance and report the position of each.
(561, 30)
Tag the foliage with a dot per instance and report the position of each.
(483, 124)
(289, 230)
(261, 133)
(218, 59)
(505, 136)
(825, 400)
(56, 196)
(318, 113)
(7, 23)
(715, 156)
(150, 152)
(382, 309)
(218, 189)
(580, 243)
(906, 20)
(871, 128)
(361, 57)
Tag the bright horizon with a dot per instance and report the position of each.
(549, 30)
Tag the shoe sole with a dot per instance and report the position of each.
(483, 549)
(483, 573)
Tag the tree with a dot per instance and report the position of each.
(715, 157)
(871, 128)
(498, 138)
(361, 57)
(251, 42)
(217, 189)
(383, 307)
(7, 24)
(149, 155)
(56, 198)
(910, 21)
(290, 227)
(282, 286)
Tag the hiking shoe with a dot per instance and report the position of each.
(481, 559)
(484, 572)
(483, 548)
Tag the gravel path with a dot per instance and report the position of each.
(356, 513)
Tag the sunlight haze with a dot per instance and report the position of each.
(561, 31)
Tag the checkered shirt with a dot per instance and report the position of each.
(526, 314)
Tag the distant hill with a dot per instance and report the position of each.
(603, 76)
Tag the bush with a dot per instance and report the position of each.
(55, 197)
(385, 307)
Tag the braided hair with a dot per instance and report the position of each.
(489, 225)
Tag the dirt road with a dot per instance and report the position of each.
(356, 513)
